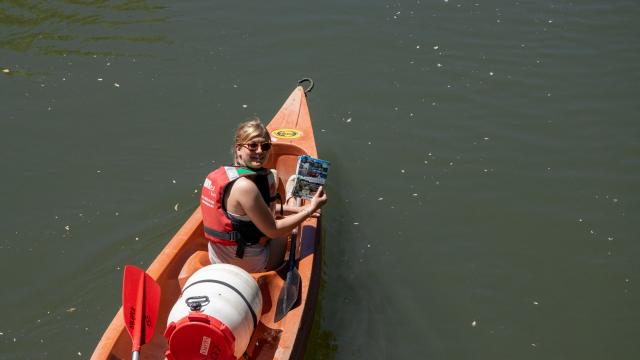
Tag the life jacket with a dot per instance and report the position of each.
(220, 227)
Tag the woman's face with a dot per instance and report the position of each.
(253, 153)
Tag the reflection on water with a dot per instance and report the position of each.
(108, 28)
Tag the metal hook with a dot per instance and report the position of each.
(308, 89)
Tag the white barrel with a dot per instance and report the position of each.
(221, 292)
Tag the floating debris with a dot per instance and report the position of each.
(245, 106)
(474, 323)
(6, 71)
(71, 309)
(116, 85)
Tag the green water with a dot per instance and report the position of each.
(485, 164)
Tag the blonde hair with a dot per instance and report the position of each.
(248, 130)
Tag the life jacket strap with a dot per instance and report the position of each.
(230, 236)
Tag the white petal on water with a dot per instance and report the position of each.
(71, 309)
(175, 207)
(474, 323)
(439, 65)
(99, 79)
(436, 47)
(245, 106)
(173, 181)
(116, 85)
(67, 227)
(491, 73)
(355, 223)
(6, 71)
(348, 120)
(380, 198)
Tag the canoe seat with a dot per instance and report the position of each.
(196, 261)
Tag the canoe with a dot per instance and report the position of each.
(292, 135)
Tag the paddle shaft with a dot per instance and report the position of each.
(292, 252)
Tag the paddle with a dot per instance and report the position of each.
(289, 292)
(140, 303)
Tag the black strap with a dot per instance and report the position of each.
(253, 313)
(231, 235)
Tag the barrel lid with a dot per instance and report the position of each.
(199, 336)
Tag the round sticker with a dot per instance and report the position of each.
(286, 133)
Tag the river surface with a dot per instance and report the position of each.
(484, 189)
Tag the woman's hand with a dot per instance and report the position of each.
(318, 200)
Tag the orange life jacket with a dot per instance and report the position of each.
(220, 227)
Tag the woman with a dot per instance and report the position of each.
(238, 206)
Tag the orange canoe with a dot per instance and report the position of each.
(292, 135)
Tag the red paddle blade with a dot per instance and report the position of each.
(140, 304)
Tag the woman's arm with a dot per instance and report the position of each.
(247, 195)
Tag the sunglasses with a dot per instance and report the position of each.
(254, 146)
